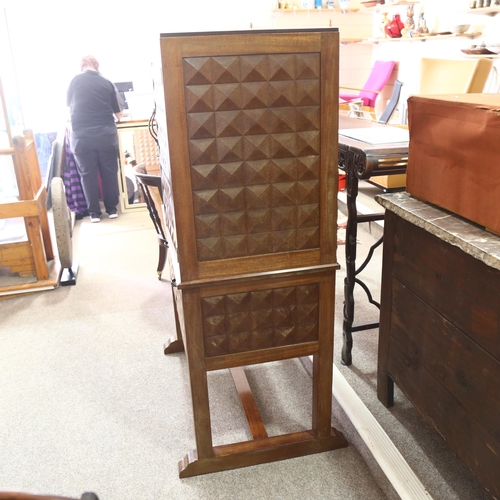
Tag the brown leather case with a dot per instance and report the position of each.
(454, 154)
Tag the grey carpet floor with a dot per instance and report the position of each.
(88, 401)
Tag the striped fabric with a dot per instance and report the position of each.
(71, 178)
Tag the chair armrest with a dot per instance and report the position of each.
(360, 90)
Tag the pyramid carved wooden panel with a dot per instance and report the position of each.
(146, 151)
(262, 319)
(253, 130)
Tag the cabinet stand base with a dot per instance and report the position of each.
(259, 451)
(173, 344)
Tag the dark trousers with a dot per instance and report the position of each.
(96, 155)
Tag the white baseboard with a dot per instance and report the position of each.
(388, 457)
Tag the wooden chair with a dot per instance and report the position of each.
(388, 111)
(30, 256)
(6, 495)
(393, 102)
(392, 182)
(379, 76)
(150, 186)
(454, 76)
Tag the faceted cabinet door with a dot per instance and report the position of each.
(251, 130)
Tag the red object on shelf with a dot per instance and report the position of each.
(393, 29)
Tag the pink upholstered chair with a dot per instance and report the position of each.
(379, 76)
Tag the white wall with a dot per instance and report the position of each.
(50, 37)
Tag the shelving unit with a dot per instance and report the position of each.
(489, 11)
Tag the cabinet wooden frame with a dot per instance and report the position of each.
(244, 307)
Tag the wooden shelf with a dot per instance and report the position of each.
(345, 41)
(482, 56)
(328, 11)
(422, 38)
(489, 11)
(379, 6)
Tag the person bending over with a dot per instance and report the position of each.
(94, 103)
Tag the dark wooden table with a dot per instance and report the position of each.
(360, 161)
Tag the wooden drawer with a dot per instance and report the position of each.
(453, 358)
(447, 278)
(259, 319)
(475, 445)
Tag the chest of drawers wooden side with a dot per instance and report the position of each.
(440, 342)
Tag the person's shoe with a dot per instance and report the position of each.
(95, 217)
(113, 214)
(81, 215)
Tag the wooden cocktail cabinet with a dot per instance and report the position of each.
(248, 134)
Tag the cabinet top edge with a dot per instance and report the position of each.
(285, 31)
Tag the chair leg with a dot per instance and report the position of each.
(161, 260)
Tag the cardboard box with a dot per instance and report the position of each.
(389, 181)
(454, 154)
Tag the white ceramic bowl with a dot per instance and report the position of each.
(460, 28)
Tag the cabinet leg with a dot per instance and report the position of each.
(161, 260)
(385, 391)
(174, 343)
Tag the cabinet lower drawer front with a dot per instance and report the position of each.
(260, 319)
(461, 288)
(450, 379)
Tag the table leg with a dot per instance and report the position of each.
(350, 258)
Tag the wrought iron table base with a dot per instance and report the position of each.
(360, 161)
(350, 280)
